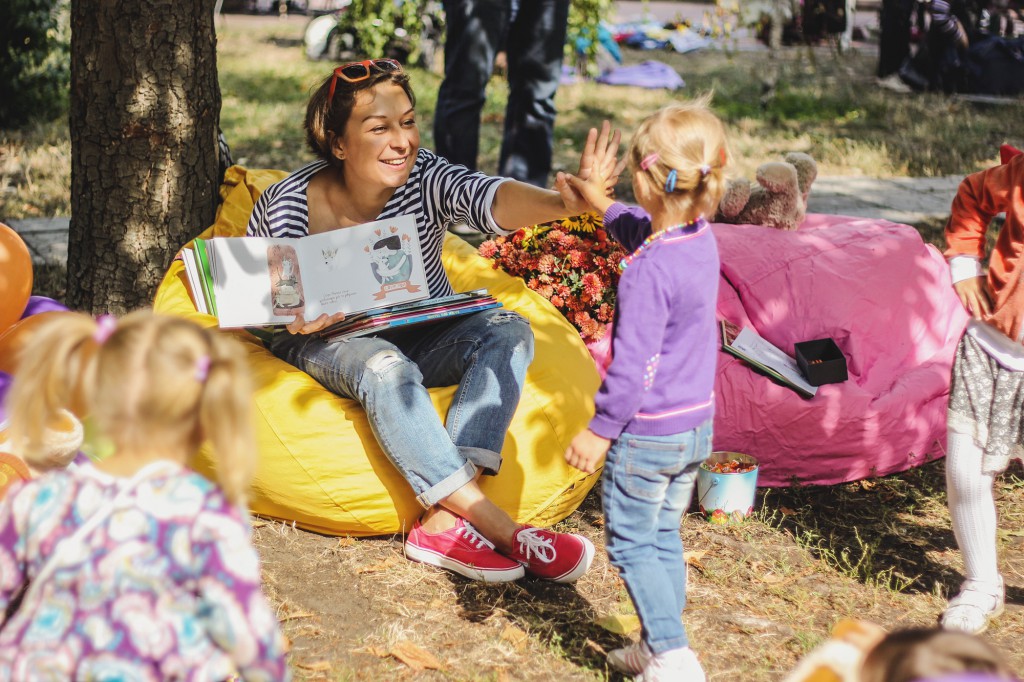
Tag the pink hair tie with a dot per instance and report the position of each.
(105, 326)
(202, 368)
(649, 161)
(705, 169)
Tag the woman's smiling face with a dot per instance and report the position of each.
(381, 139)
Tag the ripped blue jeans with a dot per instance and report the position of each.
(486, 354)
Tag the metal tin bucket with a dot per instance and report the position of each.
(727, 497)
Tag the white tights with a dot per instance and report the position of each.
(972, 508)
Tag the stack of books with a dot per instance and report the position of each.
(372, 273)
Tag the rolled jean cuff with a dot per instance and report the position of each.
(488, 460)
(439, 491)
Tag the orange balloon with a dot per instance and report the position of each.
(19, 336)
(15, 277)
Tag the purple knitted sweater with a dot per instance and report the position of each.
(664, 345)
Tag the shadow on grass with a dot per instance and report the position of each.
(556, 615)
(892, 532)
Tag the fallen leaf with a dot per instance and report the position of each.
(346, 541)
(515, 636)
(377, 568)
(374, 651)
(595, 647)
(868, 485)
(287, 644)
(293, 616)
(693, 558)
(620, 624)
(319, 666)
(258, 523)
(786, 511)
(415, 657)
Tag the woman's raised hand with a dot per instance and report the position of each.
(600, 153)
(599, 171)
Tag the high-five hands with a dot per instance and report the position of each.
(599, 166)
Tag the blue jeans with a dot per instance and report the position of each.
(486, 354)
(533, 37)
(646, 486)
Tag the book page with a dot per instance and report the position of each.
(267, 281)
(749, 345)
(367, 266)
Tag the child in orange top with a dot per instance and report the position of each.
(986, 403)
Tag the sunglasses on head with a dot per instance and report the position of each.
(353, 72)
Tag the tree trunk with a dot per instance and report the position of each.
(145, 109)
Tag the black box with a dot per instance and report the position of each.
(821, 361)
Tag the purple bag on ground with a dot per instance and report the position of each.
(649, 74)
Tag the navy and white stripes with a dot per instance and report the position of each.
(437, 194)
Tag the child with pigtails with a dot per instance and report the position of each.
(134, 567)
(653, 413)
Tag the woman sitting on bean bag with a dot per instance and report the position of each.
(361, 123)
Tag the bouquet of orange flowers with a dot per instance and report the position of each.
(570, 262)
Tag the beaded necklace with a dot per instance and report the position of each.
(655, 236)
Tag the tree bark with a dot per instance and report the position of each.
(145, 110)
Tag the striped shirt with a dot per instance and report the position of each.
(437, 194)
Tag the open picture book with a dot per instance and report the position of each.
(257, 281)
(373, 273)
(749, 346)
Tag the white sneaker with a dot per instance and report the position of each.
(972, 609)
(675, 665)
(630, 659)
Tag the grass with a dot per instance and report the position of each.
(762, 593)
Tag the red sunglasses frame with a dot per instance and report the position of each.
(339, 72)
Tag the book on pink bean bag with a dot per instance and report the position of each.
(885, 297)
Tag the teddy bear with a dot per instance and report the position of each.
(779, 199)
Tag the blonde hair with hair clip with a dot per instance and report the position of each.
(141, 386)
(690, 139)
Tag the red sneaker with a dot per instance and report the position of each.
(463, 550)
(561, 557)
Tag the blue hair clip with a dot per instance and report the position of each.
(670, 182)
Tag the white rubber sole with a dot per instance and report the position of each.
(582, 567)
(426, 556)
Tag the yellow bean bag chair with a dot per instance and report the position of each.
(320, 466)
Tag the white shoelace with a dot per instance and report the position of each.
(533, 544)
(473, 535)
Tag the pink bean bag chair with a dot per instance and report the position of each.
(885, 297)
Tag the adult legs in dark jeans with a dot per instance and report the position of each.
(475, 32)
(534, 41)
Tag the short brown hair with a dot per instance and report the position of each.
(921, 653)
(326, 119)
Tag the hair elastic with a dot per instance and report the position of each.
(649, 161)
(202, 368)
(705, 169)
(105, 326)
(670, 181)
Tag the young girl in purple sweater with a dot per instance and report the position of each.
(654, 410)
